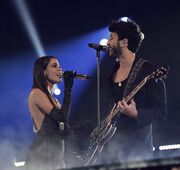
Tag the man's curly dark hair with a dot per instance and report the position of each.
(130, 30)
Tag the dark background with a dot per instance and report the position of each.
(60, 20)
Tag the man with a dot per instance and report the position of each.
(132, 140)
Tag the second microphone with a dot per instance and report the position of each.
(79, 76)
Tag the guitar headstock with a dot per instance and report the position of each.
(160, 73)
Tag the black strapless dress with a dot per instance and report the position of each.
(47, 150)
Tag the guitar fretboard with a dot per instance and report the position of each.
(115, 110)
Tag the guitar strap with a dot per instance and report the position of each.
(133, 75)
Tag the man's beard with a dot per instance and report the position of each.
(115, 52)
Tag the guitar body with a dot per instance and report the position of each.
(97, 144)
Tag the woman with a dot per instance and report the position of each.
(50, 118)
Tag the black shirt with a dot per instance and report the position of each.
(133, 138)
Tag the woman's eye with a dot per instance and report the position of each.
(54, 65)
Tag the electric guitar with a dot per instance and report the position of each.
(101, 135)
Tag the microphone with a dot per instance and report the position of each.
(99, 47)
(80, 76)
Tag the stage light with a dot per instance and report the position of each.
(125, 19)
(29, 25)
(55, 90)
(103, 41)
(19, 164)
(169, 147)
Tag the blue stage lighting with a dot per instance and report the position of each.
(29, 25)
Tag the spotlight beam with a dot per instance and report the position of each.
(29, 25)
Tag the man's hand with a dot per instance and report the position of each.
(128, 109)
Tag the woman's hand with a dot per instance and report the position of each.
(68, 79)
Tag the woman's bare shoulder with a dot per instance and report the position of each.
(38, 98)
(37, 94)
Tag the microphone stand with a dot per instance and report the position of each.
(98, 90)
(98, 48)
(98, 95)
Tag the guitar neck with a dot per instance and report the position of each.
(138, 87)
(115, 110)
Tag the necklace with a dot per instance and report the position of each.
(119, 84)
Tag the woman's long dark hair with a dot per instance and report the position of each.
(39, 79)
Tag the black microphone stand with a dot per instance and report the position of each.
(98, 97)
(98, 48)
(98, 90)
